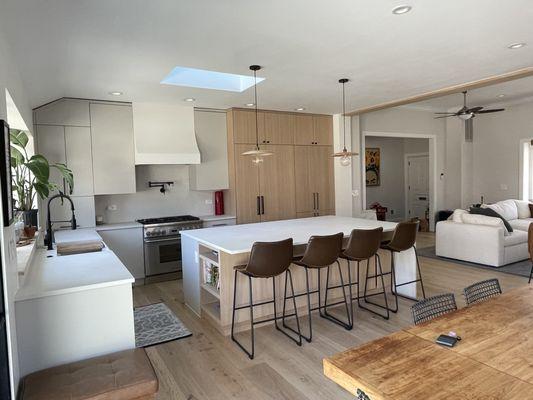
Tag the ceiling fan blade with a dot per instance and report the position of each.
(444, 116)
(474, 109)
(447, 113)
(490, 111)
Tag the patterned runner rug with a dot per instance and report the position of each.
(155, 324)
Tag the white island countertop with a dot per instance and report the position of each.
(50, 274)
(237, 239)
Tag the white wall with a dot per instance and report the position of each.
(10, 80)
(496, 151)
(391, 191)
(149, 202)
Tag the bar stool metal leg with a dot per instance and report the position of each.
(299, 340)
(288, 275)
(250, 354)
(378, 274)
(325, 314)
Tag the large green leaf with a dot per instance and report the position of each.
(20, 138)
(17, 157)
(39, 167)
(42, 190)
(66, 173)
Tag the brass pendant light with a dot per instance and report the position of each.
(256, 153)
(344, 155)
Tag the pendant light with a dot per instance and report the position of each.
(345, 155)
(256, 153)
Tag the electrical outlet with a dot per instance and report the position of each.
(209, 201)
(355, 193)
(112, 207)
(503, 186)
(391, 212)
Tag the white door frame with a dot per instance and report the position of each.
(406, 177)
(524, 180)
(433, 206)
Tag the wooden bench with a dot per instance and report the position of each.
(126, 375)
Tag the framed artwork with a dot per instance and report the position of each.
(5, 174)
(372, 166)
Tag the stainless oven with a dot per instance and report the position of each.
(162, 255)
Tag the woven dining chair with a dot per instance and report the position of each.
(433, 307)
(481, 291)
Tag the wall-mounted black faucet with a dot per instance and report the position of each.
(49, 239)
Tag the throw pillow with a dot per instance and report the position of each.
(478, 219)
(506, 208)
(523, 209)
(489, 212)
(456, 216)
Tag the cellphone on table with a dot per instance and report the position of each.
(448, 340)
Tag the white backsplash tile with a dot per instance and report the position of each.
(149, 202)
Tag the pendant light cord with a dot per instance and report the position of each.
(256, 118)
(344, 115)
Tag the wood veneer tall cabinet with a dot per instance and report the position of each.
(296, 179)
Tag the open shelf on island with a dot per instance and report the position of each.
(209, 258)
(212, 310)
(211, 289)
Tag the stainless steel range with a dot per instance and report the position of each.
(162, 242)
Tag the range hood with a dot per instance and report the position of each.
(164, 134)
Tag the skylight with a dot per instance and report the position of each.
(200, 78)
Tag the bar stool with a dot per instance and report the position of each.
(363, 246)
(404, 238)
(322, 252)
(267, 260)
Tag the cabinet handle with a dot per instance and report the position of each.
(263, 205)
(314, 201)
(258, 206)
(317, 202)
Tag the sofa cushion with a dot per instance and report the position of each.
(118, 376)
(517, 237)
(457, 215)
(506, 208)
(521, 224)
(477, 219)
(522, 207)
(489, 212)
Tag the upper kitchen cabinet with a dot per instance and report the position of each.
(314, 130)
(243, 126)
(113, 148)
(211, 136)
(73, 112)
(279, 128)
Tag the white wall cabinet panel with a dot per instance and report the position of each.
(127, 244)
(79, 159)
(211, 134)
(83, 209)
(72, 112)
(51, 144)
(113, 148)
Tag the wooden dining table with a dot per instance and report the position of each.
(493, 359)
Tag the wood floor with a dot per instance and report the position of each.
(210, 366)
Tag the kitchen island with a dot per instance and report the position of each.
(209, 255)
(73, 307)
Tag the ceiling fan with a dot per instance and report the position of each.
(467, 113)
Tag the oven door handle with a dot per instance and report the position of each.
(172, 239)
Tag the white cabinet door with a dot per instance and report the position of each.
(73, 112)
(113, 149)
(211, 134)
(51, 144)
(127, 244)
(79, 159)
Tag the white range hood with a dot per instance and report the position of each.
(164, 134)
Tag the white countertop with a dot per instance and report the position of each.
(237, 239)
(118, 225)
(55, 275)
(208, 218)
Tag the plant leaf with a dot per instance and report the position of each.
(66, 173)
(39, 167)
(17, 157)
(42, 190)
(18, 137)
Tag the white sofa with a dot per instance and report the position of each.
(484, 240)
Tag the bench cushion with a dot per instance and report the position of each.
(125, 375)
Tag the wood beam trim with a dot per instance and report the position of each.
(492, 80)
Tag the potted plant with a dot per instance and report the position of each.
(31, 177)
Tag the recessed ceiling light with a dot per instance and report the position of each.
(401, 10)
(501, 95)
(249, 104)
(300, 109)
(116, 93)
(189, 99)
(515, 46)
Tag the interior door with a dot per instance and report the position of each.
(417, 186)
(247, 186)
(5, 392)
(322, 181)
(277, 184)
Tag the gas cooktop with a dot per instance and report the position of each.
(166, 220)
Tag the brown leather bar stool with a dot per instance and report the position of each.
(322, 252)
(404, 238)
(363, 245)
(267, 260)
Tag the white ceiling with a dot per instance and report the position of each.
(89, 48)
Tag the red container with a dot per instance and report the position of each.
(219, 202)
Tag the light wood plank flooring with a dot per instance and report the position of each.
(210, 366)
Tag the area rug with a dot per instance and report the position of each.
(155, 324)
(520, 268)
